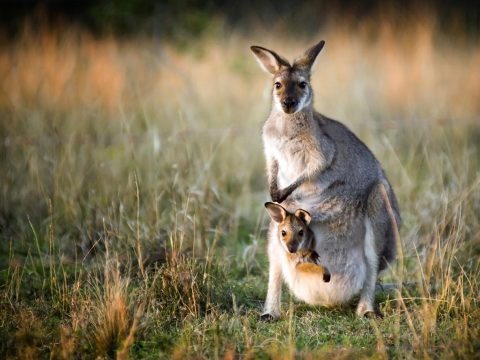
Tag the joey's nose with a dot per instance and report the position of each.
(292, 247)
(289, 103)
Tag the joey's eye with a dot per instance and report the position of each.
(284, 233)
(277, 85)
(300, 233)
(302, 85)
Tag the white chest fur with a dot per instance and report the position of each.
(295, 156)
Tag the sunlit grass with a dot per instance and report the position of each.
(132, 183)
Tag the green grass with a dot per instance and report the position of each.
(131, 202)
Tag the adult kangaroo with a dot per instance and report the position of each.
(318, 164)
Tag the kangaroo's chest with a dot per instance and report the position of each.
(295, 155)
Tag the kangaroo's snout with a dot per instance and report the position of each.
(289, 104)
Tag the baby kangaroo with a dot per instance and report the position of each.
(297, 239)
(318, 164)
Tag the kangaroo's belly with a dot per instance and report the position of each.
(344, 260)
(312, 289)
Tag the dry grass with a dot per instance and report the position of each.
(131, 184)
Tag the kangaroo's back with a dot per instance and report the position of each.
(356, 174)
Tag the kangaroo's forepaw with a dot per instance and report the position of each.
(277, 196)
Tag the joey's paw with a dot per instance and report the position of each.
(268, 317)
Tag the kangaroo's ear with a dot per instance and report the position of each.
(304, 216)
(308, 60)
(269, 61)
(276, 211)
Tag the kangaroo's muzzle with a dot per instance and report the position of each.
(289, 105)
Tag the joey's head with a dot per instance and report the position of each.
(291, 89)
(292, 228)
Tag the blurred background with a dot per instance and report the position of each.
(94, 94)
(132, 172)
(163, 98)
(98, 95)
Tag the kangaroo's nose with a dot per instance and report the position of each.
(289, 102)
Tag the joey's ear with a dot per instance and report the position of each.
(307, 61)
(304, 216)
(276, 211)
(269, 61)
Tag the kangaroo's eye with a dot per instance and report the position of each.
(302, 85)
(277, 85)
(284, 233)
(300, 233)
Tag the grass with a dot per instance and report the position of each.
(132, 183)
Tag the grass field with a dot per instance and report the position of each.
(132, 188)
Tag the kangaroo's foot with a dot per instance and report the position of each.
(267, 317)
(366, 309)
(376, 314)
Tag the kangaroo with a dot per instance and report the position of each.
(318, 164)
(297, 239)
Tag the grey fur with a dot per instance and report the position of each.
(318, 164)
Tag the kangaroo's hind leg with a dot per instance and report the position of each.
(381, 237)
(271, 309)
(367, 296)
